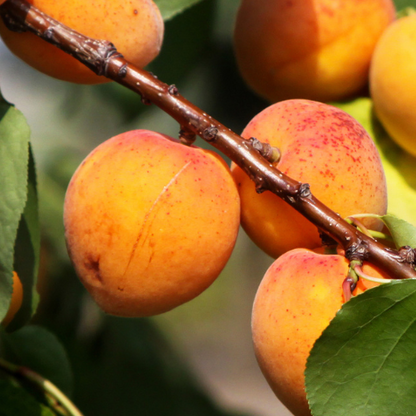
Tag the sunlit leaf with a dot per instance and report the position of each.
(365, 361)
(403, 233)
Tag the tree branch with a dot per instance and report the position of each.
(102, 57)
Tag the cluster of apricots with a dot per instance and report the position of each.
(143, 212)
(151, 222)
(325, 51)
(302, 290)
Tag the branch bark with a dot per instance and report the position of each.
(102, 57)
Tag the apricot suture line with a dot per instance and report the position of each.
(102, 57)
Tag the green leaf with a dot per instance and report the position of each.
(15, 401)
(175, 61)
(170, 8)
(38, 349)
(364, 363)
(403, 233)
(27, 252)
(14, 155)
(401, 4)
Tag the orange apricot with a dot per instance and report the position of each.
(298, 297)
(16, 301)
(135, 27)
(392, 82)
(149, 222)
(315, 49)
(324, 147)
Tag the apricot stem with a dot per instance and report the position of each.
(353, 219)
(102, 58)
(359, 225)
(57, 399)
(365, 216)
(380, 236)
(357, 267)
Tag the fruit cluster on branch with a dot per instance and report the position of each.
(102, 58)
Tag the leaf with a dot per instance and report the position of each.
(401, 4)
(403, 233)
(38, 349)
(170, 8)
(14, 155)
(27, 251)
(364, 363)
(399, 167)
(17, 401)
(175, 61)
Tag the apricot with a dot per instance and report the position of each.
(320, 145)
(297, 298)
(135, 27)
(149, 222)
(392, 82)
(315, 49)
(16, 301)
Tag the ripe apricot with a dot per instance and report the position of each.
(392, 81)
(320, 145)
(315, 49)
(16, 301)
(297, 298)
(135, 27)
(149, 222)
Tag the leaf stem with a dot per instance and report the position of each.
(60, 400)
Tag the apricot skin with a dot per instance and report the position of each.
(149, 223)
(135, 27)
(297, 298)
(324, 147)
(392, 82)
(16, 301)
(314, 49)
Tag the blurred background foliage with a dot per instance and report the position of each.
(195, 360)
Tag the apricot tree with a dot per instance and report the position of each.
(184, 202)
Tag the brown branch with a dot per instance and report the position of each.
(103, 59)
